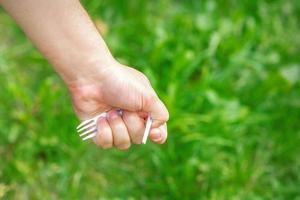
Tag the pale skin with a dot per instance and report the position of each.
(65, 34)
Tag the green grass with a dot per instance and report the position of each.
(229, 73)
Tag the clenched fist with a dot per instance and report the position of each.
(120, 87)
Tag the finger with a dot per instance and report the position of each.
(135, 126)
(157, 110)
(159, 135)
(120, 134)
(104, 137)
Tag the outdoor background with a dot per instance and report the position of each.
(229, 72)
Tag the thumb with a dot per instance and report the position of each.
(157, 110)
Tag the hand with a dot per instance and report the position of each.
(64, 33)
(113, 87)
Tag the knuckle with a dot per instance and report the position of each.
(136, 141)
(97, 142)
(150, 99)
(137, 137)
(123, 146)
(106, 145)
(123, 143)
(105, 141)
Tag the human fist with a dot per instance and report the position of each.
(120, 87)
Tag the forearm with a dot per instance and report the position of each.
(63, 32)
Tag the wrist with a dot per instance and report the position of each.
(84, 70)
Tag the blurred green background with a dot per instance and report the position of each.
(227, 70)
